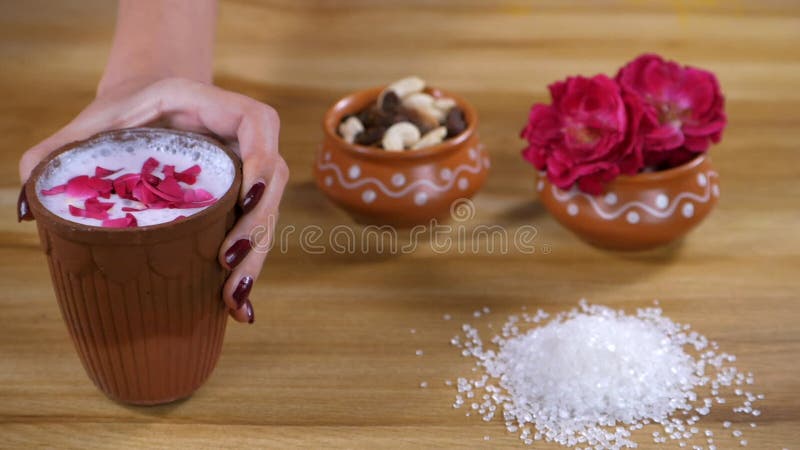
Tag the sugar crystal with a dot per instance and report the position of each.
(590, 376)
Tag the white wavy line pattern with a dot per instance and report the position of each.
(474, 169)
(562, 197)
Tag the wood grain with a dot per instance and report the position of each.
(330, 360)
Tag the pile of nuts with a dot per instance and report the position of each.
(404, 117)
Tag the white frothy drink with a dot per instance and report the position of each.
(129, 154)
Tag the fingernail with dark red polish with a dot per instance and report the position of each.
(252, 197)
(237, 252)
(242, 290)
(248, 307)
(23, 210)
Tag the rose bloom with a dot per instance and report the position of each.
(588, 135)
(683, 106)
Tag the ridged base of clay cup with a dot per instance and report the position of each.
(401, 189)
(143, 305)
(637, 212)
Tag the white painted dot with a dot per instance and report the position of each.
(473, 154)
(327, 156)
(354, 171)
(701, 179)
(687, 210)
(368, 196)
(662, 201)
(715, 190)
(398, 179)
(329, 181)
(446, 174)
(487, 163)
(611, 198)
(463, 184)
(572, 209)
(540, 185)
(420, 198)
(632, 217)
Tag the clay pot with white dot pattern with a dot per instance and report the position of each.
(637, 212)
(402, 189)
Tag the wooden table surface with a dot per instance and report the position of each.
(330, 360)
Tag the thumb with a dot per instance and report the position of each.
(70, 133)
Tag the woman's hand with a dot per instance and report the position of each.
(199, 107)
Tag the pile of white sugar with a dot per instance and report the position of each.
(589, 377)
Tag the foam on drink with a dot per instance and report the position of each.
(128, 154)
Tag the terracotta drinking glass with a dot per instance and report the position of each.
(143, 305)
(401, 189)
(637, 212)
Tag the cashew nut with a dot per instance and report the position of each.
(444, 103)
(418, 99)
(433, 137)
(403, 88)
(350, 128)
(399, 136)
(424, 104)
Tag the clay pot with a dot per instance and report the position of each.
(637, 212)
(143, 305)
(398, 188)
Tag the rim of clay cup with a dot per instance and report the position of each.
(40, 211)
(358, 100)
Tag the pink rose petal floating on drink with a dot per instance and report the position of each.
(128, 221)
(94, 209)
(147, 189)
(188, 176)
(101, 172)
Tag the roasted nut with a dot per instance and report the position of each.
(423, 103)
(391, 102)
(350, 128)
(418, 100)
(402, 88)
(375, 117)
(455, 122)
(424, 122)
(399, 136)
(405, 117)
(444, 104)
(371, 136)
(433, 137)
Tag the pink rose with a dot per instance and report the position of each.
(684, 108)
(588, 135)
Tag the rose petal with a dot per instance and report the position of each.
(170, 187)
(156, 191)
(123, 185)
(149, 166)
(80, 187)
(197, 196)
(128, 221)
(150, 191)
(142, 192)
(55, 190)
(96, 206)
(101, 186)
(101, 172)
(87, 213)
(189, 176)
